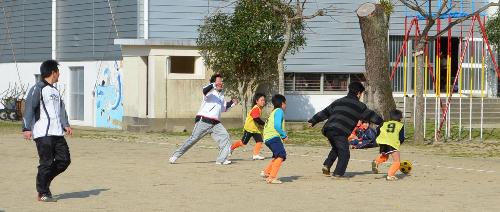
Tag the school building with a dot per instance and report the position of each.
(134, 64)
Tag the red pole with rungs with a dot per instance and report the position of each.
(483, 30)
(458, 72)
(402, 49)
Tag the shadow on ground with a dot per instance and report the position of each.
(289, 178)
(80, 194)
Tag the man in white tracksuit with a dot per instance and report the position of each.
(45, 120)
(207, 121)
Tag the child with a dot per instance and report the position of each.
(207, 121)
(274, 136)
(253, 127)
(390, 137)
(362, 136)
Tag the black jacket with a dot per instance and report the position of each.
(343, 115)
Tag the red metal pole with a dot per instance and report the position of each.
(458, 72)
(402, 49)
(485, 37)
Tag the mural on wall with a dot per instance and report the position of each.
(109, 98)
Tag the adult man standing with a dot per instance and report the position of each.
(207, 121)
(342, 116)
(45, 120)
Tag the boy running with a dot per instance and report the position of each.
(45, 120)
(253, 127)
(207, 121)
(274, 136)
(390, 137)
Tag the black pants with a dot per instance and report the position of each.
(247, 135)
(54, 157)
(340, 149)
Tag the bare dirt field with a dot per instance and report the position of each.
(130, 172)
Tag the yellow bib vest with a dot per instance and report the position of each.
(389, 134)
(250, 125)
(269, 130)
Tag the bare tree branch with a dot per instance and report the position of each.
(460, 20)
(415, 7)
(441, 8)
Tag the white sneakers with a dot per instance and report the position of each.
(226, 162)
(258, 157)
(172, 159)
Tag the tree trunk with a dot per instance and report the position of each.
(418, 135)
(281, 57)
(374, 25)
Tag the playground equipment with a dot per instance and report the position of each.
(433, 69)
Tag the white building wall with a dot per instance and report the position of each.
(92, 70)
(301, 107)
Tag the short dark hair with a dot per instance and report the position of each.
(278, 100)
(396, 115)
(356, 87)
(257, 97)
(48, 67)
(212, 79)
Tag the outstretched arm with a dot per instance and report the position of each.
(322, 115)
(208, 88)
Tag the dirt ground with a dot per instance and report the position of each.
(109, 174)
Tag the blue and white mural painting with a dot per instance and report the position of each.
(109, 98)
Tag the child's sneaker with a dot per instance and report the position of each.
(226, 162)
(391, 178)
(258, 157)
(46, 198)
(274, 181)
(326, 171)
(263, 174)
(172, 159)
(374, 167)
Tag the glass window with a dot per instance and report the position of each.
(358, 78)
(289, 82)
(182, 64)
(336, 82)
(307, 82)
(76, 93)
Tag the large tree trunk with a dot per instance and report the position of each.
(374, 25)
(418, 134)
(281, 57)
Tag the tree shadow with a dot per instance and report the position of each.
(289, 178)
(299, 107)
(80, 194)
(353, 174)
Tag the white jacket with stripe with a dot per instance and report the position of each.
(44, 111)
(213, 103)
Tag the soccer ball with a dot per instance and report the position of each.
(405, 167)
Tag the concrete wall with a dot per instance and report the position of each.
(93, 73)
(303, 107)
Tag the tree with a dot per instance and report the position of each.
(374, 25)
(242, 46)
(293, 18)
(493, 29)
(422, 40)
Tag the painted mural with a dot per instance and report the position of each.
(109, 98)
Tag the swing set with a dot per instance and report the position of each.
(442, 115)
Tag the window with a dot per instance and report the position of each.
(320, 82)
(336, 82)
(182, 64)
(76, 93)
